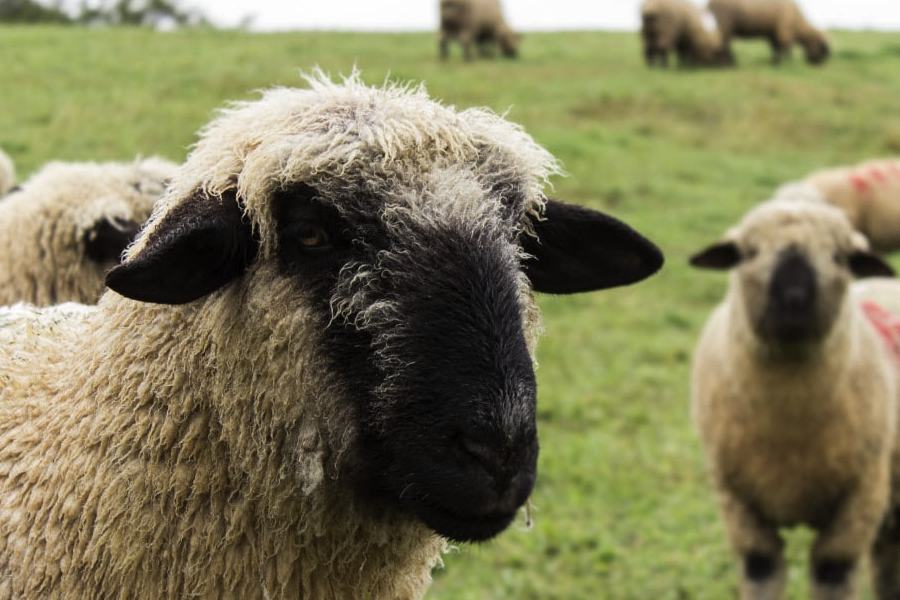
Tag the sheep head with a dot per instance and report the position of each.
(792, 263)
(412, 236)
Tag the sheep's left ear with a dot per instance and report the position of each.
(868, 264)
(720, 256)
(105, 241)
(195, 249)
(578, 250)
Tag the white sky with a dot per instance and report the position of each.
(528, 15)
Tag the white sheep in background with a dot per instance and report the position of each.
(316, 364)
(7, 173)
(68, 224)
(868, 193)
(795, 396)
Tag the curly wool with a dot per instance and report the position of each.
(7, 173)
(43, 225)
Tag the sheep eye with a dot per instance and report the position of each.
(751, 253)
(312, 236)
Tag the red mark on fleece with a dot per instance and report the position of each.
(858, 182)
(886, 323)
(865, 179)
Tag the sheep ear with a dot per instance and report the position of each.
(867, 264)
(105, 241)
(579, 250)
(723, 255)
(195, 249)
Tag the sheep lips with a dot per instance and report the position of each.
(790, 314)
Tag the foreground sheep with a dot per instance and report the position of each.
(315, 366)
(677, 26)
(476, 23)
(779, 21)
(868, 193)
(68, 225)
(794, 394)
(7, 173)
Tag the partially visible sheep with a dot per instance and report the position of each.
(779, 21)
(868, 193)
(69, 223)
(678, 26)
(476, 23)
(316, 363)
(7, 173)
(795, 396)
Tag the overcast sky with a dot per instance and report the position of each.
(421, 15)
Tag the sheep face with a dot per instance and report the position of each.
(792, 265)
(414, 278)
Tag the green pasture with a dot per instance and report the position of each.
(622, 509)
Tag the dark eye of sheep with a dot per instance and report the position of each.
(312, 236)
(751, 253)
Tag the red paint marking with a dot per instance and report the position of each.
(886, 323)
(858, 182)
(877, 174)
(893, 168)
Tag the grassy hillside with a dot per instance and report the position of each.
(622, 509)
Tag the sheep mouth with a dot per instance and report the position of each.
(456, 525)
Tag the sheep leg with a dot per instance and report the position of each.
(758, 546)
(444, 46)
(467, 39)
(886, 559)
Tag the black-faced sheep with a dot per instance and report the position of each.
(779, 21)
(868, 193)
(7, 173)
(68, 224)
(795, 396)
(678, 26)
(315, 365)
(476, 23)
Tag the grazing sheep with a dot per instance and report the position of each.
(868, 193)
(316, 363)
(678, 26)
(779, 21)
(794, 394)
(7, 173)
(476, 23)
(69, 223)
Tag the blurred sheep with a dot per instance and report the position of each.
(476, 23)
(678, 26)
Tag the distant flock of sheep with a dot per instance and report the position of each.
(697, 37)
(302, 362)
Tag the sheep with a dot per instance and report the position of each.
(779, 21)
(678, 25)
(7, 173)
(868, 193)
(794, 396)
(475, 23)
(69, 223)
(314, 366)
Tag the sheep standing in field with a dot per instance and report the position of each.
(7, 173)
(868, 193)
(316, 363)
(678, 26)
(476, 23)
(795, 396)
(779, 21)
(69, 223)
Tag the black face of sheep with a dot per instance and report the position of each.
(442, 381)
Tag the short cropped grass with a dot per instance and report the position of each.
(622, 508)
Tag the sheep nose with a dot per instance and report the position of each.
(793, 284)
(510, 467)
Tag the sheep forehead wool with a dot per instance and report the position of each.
(785, 222)
(351, 141)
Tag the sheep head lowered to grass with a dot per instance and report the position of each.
(322, 340)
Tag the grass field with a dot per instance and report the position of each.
(622, 505)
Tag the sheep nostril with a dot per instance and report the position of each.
(485, 454)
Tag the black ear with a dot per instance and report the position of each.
(723, 255)
(108, 237)
(578, 250)
(867, 264)
(197, 248)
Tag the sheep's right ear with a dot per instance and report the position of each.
(721, 256)
(195, 249)
(868, 264)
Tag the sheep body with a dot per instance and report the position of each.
(69, 223)
(7, 173)
(869, 194)
(678, 26)
(475, 23)
(779, 21)
(795, 397)
(288, 393)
